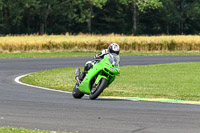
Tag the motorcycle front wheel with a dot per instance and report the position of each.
(95, 92)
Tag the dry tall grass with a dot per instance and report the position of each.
(98, 42)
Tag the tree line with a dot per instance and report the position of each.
(138, 17)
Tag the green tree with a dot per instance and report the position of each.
(44, 7)
(91, 3)
(112, 18)
(1, 15)
(76, 12)
(140, 5)
(31, 9)
(168, 16)
(180, 16)
(67, 14)
(12, 15)
(100, 16)
(193, 15)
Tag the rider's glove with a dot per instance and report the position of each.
(96, 56)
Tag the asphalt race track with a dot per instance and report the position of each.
(29, 107)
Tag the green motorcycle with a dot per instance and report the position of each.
(100, 76)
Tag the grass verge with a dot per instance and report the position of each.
(173, 81)
(21, 130)
(78, 54)
(45, 54)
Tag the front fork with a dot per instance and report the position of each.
(99, 77)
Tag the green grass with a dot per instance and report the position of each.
(78, 54)
(21, 130)
(47, 54)
(174, 81)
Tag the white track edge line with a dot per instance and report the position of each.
(17, 80)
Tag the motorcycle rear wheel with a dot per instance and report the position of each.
(99, 89)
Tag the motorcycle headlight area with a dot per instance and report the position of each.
(114, 59)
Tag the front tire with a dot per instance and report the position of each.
(76, 93)
(102, 85)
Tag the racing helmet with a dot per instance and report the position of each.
(114, 48)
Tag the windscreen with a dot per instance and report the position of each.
(114, 59)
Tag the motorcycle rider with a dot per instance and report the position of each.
(112, 48)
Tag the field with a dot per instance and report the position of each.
(178, 81)
(52, 43)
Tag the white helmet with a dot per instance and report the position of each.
(114, 48)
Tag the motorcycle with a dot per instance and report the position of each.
(99, 77)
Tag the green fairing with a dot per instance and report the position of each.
(104, 66)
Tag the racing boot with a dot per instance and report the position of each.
(77, 77)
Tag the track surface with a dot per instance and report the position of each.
(28, 107)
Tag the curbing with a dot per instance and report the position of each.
(163, 100)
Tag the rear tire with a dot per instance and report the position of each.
(76, 93)
(99, 89)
